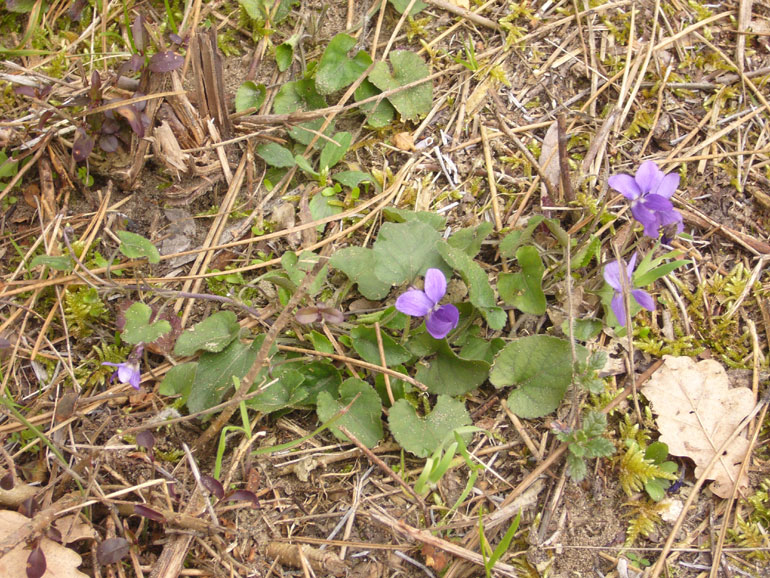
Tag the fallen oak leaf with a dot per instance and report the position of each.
(697, 411)
(60, 562)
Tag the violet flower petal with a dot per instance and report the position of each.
(415, 303)
(648, 176)
(625, 185)
(657, 203)
(125, 373)
(647, 218)
(442, 321)
(435, 285)
(612, 275)
(631, 266)
(644, 299)
(619, 308)
(667, 186)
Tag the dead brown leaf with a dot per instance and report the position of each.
(403, 141)
(74, 528)
(61, 562)
(697, 411)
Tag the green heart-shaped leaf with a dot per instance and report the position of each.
(422, 435)
(405, 251)
(365, 344)
(413, 102)
(249, 95)
(541, 367)
(138, 328)
(336, 70)
(358, 264)
(524, 290)
(212, 334)
(135, 246)
(362, 418)
(451, 375)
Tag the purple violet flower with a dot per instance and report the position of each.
(439, 320)
(128, 371)
(650, 192)
(612, 275)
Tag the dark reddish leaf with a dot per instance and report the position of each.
(137, 31)
(45, 91)
(7, 482)
(82, 147)
(108, 143)
(36, 565)
(66, 406)
(331, 315)
(120, 318)
(164, 344)
(29, 507)
(242, 496)
(132, 65)
(142, 104)
(110, 126)
(176, 39)
(146, 512)
(112, 550)
(213, 485)
(75, 11)
(96, 87)
(145, 439)
(166, 61)
(129, 112)
(53, 534)
(44, 119)
(24, 90)
(306, 315)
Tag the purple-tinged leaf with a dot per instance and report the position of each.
(44, 118)
(172, 491)
(213, 485)
(108, 143)
(164, 344)
(137, 31)
(145, 439)
(112, 550)
(29, 508)
(96, 88)
(82, 147)
(132, 115)
(176, 39)
(307, 315)
(142, 104)
(242, 496)
(4, 343)
(75, 11)
(132, 65)
(166, 61)
(36, 565)
(7, 482)
(54, 534)
(146, 512)
(25, 90)
(332, 315)
(110, 126)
